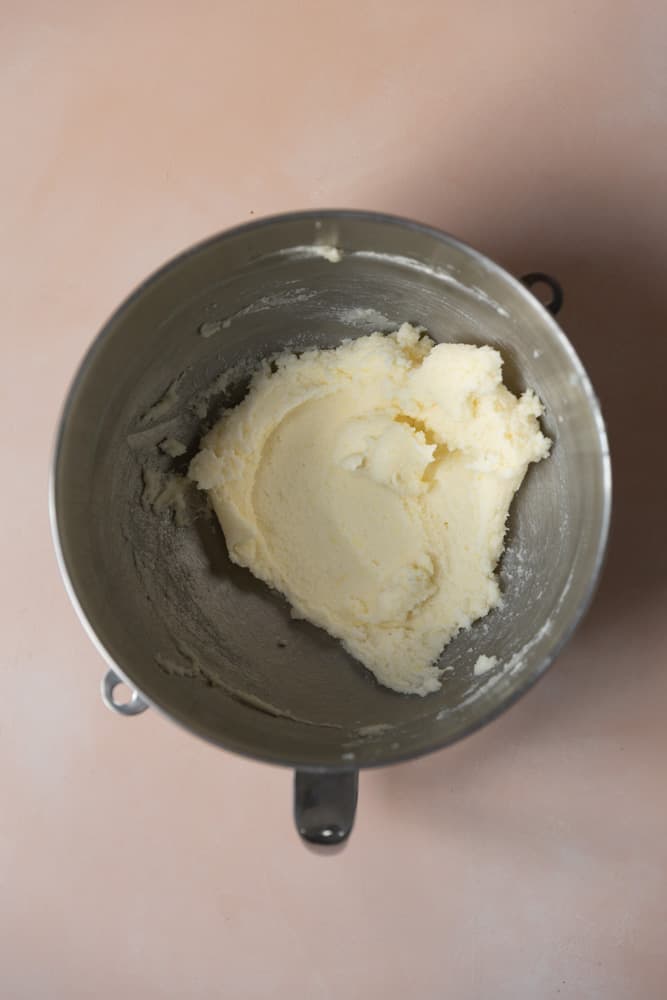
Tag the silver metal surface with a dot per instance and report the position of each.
(202, 640)
(324, 807)
(133, 706)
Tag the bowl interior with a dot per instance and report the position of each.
(201, 638)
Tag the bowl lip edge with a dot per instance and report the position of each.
(528, 678)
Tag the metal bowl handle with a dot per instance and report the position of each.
(134, 706)
(555, 303)
(325, 803)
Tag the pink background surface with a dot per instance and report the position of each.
(527, 862)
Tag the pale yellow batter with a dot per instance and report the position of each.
(370, 485)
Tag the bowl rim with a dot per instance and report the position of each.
(526, 681)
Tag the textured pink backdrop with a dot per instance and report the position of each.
(528, 862)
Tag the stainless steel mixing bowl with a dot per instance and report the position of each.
(199, 638)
